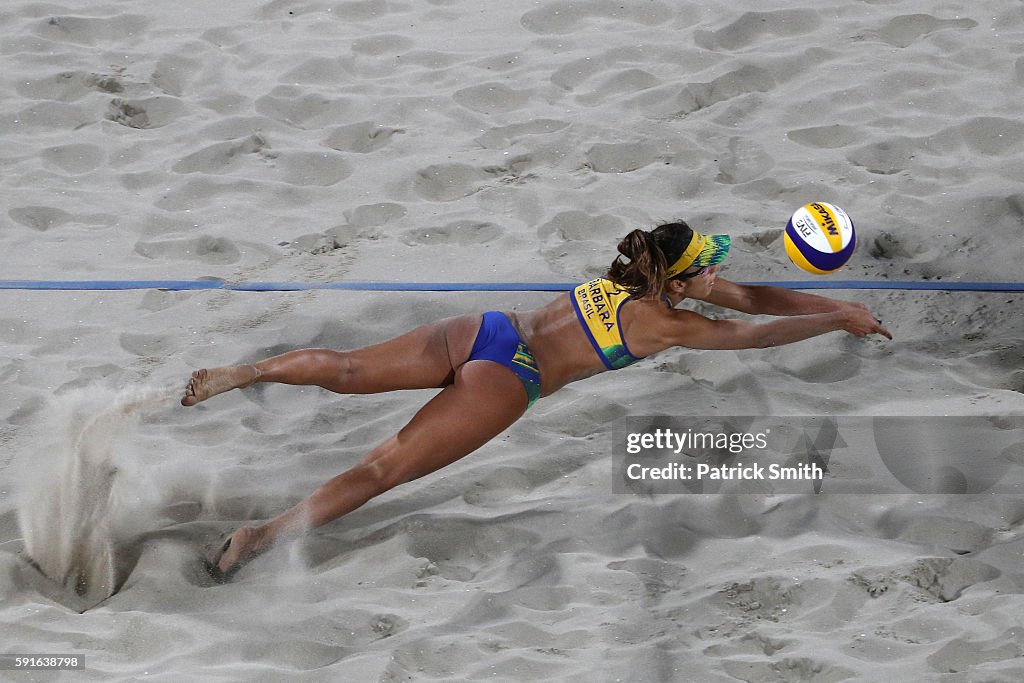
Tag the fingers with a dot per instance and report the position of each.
(864, 324)
(879, 328)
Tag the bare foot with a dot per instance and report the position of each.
(241, 547)
(206, 383)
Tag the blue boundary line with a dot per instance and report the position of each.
(191, 285)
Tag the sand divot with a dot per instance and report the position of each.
(75, 513)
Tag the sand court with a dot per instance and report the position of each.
(309, 141)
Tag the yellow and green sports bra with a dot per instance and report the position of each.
(597, 305)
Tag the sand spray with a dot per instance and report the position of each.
(79, 487)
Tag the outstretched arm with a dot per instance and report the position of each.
(768, 300)
(690, 329)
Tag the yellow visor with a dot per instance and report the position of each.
(703, 251)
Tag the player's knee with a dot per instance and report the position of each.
(384, 476)
(326, 360)
(335, 367)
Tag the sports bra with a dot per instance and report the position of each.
(597, 305)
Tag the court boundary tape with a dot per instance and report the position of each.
(198, 285)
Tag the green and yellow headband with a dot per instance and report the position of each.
(702, 251)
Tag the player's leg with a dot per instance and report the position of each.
(420, 359)
(484, 400)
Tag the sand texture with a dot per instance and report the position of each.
(449, 140)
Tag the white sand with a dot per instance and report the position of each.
(308, 141)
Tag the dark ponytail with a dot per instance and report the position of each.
(650, 255)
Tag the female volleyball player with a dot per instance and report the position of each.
(492, 367)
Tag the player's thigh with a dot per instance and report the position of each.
(483, 401)
(423, 358)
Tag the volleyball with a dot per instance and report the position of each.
(820, 238)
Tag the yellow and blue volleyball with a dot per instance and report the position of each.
(820, 238)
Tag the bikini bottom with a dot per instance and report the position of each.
(499, 341)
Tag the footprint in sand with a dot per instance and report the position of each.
(958, 535)
(461, 548)
(886, 157)
(459, 233)
(744, 160)
(567, 16)
(755, 28)
(504, 484)
(173, 73)
(826, 137)
(342, 238)
(788, 669)
(744, 80)
(295, 168)
(628, 156)
(904, 31)
(946, 578)
(657, 576)
(766, 598)
(222, 156)
(826, 366)
(579, 417)
(43, 218)
(202, 190)
(374, 215)
(750, 644)
(383, 45)
(999, 213)
(366, 10)
(205, 249)
(297, 108)
(362, 137)
(153, 112)
(492, 98)
(672, 103)
(75, 159)
(620, 84)
(574, 74)
(890, 246)
(69, 86)
(625, 157)
(27, 412)
(150, 345)
(950, 460)
(506, 136)
(93, 30)
(960, 655)
(312, 169)
(992, 135)
(448, 182)
(572, 226)
(763, 240)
